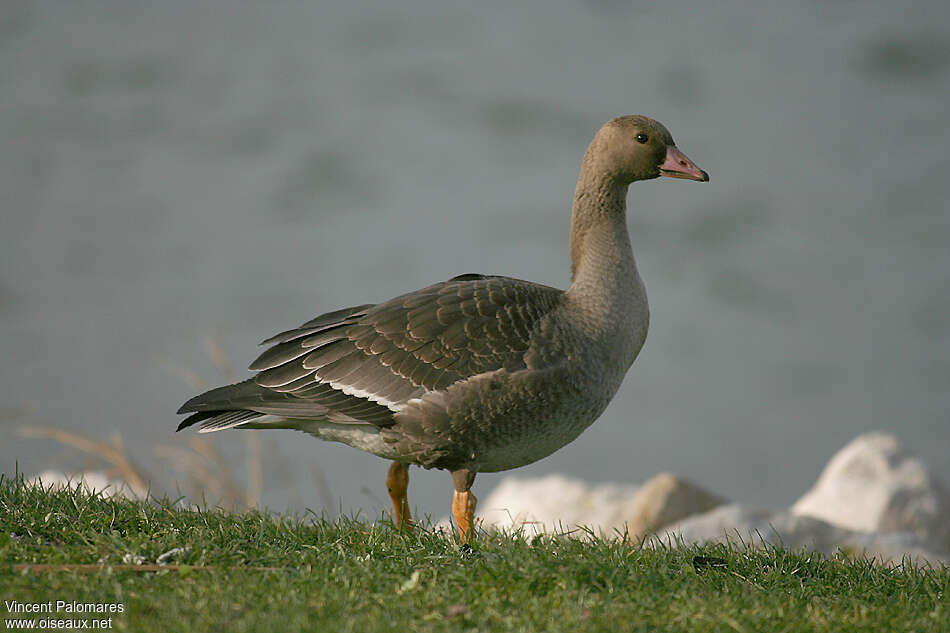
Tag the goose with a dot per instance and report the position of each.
(480, 373)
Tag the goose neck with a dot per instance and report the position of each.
(601, 254)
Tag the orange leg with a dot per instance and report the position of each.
(463, 508)
(397, 482)
(463, 504)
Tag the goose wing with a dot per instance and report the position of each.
(361, 364)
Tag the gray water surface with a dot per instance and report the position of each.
(171, 171)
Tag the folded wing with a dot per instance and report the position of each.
(362, 364)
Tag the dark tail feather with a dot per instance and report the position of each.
(195, 419)
(218, 402)
(223, 398)
(219, 420)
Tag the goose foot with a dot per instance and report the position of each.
(397, 482)
(463, 504)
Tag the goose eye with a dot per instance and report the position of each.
(642, 138)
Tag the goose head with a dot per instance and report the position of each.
(631, 148)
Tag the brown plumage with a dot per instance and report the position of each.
(477, 373)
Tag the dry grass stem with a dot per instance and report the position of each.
(111, 453)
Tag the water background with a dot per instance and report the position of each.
(171, 171)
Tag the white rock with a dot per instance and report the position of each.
(662, 500)
(873, 484)
(719, 524)
(89, 481)
(555, 504)
(740, 525)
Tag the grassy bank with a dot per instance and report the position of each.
(258, 572)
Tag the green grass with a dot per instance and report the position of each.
(347, 575)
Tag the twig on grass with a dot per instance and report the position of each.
(96, 568)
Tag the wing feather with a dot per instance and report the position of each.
(328, 354)
(342, 367)
(362, 364)
(280, 354)
(282, 375)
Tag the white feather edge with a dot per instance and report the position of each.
(368, 395)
